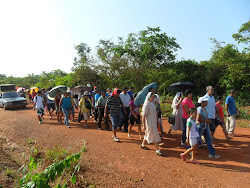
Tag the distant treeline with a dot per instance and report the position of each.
(149, 56)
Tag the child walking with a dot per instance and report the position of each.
(39, 106)
(192, 135)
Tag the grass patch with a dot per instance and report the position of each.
(10, 173)
(30, 141)
(52, 168)
(244, 125)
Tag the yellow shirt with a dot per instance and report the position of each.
(82, 105)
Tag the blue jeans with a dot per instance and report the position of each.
(206, 133)
(115, 119)
(124, 118)
(66, 113)
(184, 130)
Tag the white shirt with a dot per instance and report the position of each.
(125, 99)
(39, 101)
(210, 108)
(193, 131)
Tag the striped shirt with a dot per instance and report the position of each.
(115, 105)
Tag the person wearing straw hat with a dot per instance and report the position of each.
(85, 107)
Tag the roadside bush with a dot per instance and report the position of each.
(62, 166)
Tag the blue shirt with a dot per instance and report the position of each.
(231, 105)
(97, 96)
(210, 108)
(66, 103)
(130, 94)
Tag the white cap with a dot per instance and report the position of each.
(202, 99)
(88, 85)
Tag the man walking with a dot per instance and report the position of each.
(115, 104)
(231, 110)
(101, 103)
(125, 97)
(211, 109)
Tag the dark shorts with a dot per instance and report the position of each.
(217, 122)
(57, 109)
(133, 120)
(51, 105)
(213, 125)
(72, 110)
(40, 111)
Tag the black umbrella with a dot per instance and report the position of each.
(181, 86)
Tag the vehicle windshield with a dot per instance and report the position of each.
(10, 95)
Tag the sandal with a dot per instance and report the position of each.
(183, 157)
(144, 147)
(160, 144)
(195, 162)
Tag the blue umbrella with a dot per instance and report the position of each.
(141, 95)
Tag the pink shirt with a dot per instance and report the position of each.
(135, 108)
(190, 105)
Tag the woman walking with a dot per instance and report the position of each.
(177, 112)
(149, 122)
(134, 117)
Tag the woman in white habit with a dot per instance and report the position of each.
(177, 112)
(149, 123)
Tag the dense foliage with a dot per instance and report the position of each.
(149, 56)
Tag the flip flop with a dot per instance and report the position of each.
(195, 162)
(144, 147)
(183, 157)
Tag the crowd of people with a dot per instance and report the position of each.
(197, 122)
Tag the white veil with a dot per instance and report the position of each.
(175, 101)
(146, 101)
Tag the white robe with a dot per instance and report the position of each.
(151, 132)
(178, 112)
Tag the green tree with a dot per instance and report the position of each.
(85, 66)
(243, 35)
(145, 52)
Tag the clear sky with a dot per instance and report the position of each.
(38, 36)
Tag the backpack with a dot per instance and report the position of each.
(87, 104)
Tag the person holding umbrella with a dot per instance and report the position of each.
(177, 112)
(58, 109)
(149, 123)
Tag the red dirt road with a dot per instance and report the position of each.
(125, 164)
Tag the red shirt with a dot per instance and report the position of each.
(190, 105)
(221, 113)
(33, 95)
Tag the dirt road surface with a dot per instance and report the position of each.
(125, 164)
